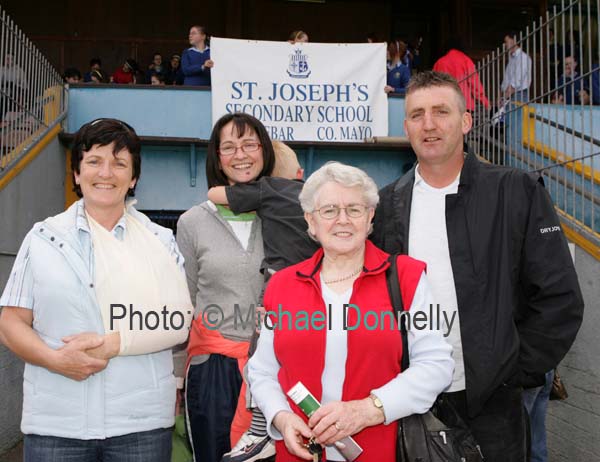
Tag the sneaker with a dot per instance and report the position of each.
(251, 448)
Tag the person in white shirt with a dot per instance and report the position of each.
(517, 75)
(508, 284)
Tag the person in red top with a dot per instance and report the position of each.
(462, 68)
(334, 329)
(126, 73)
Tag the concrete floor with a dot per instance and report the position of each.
(13, 455)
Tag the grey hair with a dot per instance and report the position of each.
(342, 174)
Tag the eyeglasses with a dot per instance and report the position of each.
(329, 212)
(231, 149)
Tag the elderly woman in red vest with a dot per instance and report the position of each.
(331, 326)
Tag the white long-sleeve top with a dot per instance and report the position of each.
(518, 71)
(412, 391)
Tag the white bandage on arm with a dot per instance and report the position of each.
(141, 290)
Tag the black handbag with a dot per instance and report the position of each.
(439, 435)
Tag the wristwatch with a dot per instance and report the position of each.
(377, 402)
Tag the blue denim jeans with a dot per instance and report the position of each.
(514, 123)
(536, 403)
(150, 446)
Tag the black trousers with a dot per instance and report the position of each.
(500, 427)
(212, 393)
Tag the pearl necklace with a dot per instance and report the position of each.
(345, 278)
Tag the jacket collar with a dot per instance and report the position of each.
(401, 201)
(376, 261)
(468, 173)
(82, 224)
(73, 220)
(470, 169)
(70, 227)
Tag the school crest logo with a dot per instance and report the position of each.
(298, 66)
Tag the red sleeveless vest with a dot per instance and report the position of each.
(374, 351)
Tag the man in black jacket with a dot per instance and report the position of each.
(498, 264)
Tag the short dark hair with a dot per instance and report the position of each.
(132, 64)
(569, 54)
(95, 61)
(428, 79)
(513, 34)
(202, 30)
(241, 123)
(104, 132)
(158, 76)
(71, 72)
(98, 74)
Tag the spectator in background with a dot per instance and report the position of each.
(415, 52)
(517, 75)
(97, 76)
(555, 53)
(195, 61)
(155, 67)
(95, 65)
(12, 83)
(514, 90)
(398, 73)
(590, 93)
(157, 79)
(72, 75)
(462, 68)
(407, 59)
(569, 85)
(173, 74)
(572, 44)
(298, 36)
(126, 73)
(584, 97)
(11, 74)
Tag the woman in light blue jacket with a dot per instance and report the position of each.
(95, 300)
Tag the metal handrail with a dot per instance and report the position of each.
(563, 147)
(32, 95)
(27, 146)
(566, 129)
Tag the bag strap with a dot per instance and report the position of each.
(393, 285)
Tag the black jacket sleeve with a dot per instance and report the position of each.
(551, 305)
(244, 197)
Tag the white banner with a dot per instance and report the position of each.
(305, 91)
